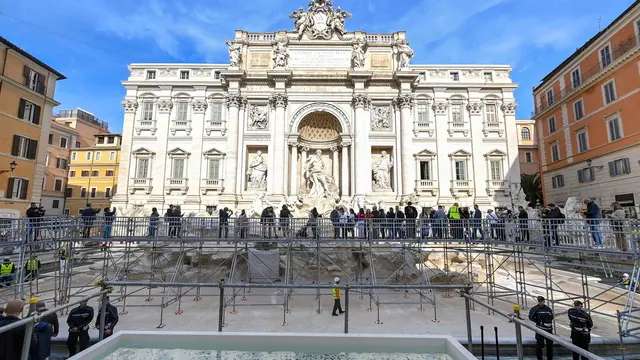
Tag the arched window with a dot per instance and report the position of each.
(526, 133)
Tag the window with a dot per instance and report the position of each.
(55, 204)
(614, 129)
(61, 163)
(423, 115)
(525, 133)
(57, 185)
(184, 75)
(583, 141)
(77, 144)
(107, 192)
(492, 113)
(182, 111)
(578, 108)
(83, 192)
(555, 152)
(495, 167)
(24, 148)
(94, 192)
(425, 170)
(63, 142)
(552, 125)
(34, 80)
(147, 110)
(550, 97)
(557, 181)
(576, 80)
(488, 77)
(454, 76)
(50, 139)
(586, 175)
(100, 139)
(217, 75)
(17, 188)
(456, 113)
(112, 155)
(95, 173)
(214, 169)
(177, 168)
(111, 139)
(609, 92)
(72, 173)
(69, 192)
(461, 169)
(84, 173)
(142, 168)
(108, 173)
(151, 74)
(528, 157)
(88, 155)
(619, 167)
(74, 156)
(98, 155)
(605, 56)
(216, 112)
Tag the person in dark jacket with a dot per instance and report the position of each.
(177, 222)
(34, 213)
(411, 214)
(153, 223)
(399, 224)
(581, 325)
(11, 341)
(110, 319)
(476, 223)
(79, 321)
(168, 219)
(44, 330)
(593, 215)
(285, 220)
(335, 221)
(223, 228)
(542, 315)
(523, 221)
(109, 215)
(87, 215)
(554, 217)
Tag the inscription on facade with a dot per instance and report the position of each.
(380, 61)
(259, 59)
(319, 58)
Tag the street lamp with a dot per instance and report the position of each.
(12, 166)
(589, 162)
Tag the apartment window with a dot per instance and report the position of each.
(216, 112)
(525, 133)
(88, 155)
(151, 74)
(83, 192)
(576, 80)
(34, 80)
(555, 152)
(108, 173)
(50, 142)
(550, 97)
(94, 192)
(557, 181)
(586, 175)
(456, 113)
(552, 125)
(217, 75)
(77, 144)
(55, 204)
(112, 155)
(17, 188)
(425, 170)
(57, 185)
(64, 142)
(74, 156)
(619, 167)
(488, 77)
(423, 114)
(605, 56)
(24, 148)
(461, 169)
(614, 129)
(454, 76)
(100, 139)
(95, 173)
(98, 155)
(147, 110)
(492, 113)
(182, 111)
(177, 168)
(61, 163)
(528, 157)
(69, 192)
(495, 167)
(29, 112)
(84, 173)
(111, 139)
(609, 92)
(142, 168)
(583, 141)
(578, 108)
(214, 169)
(184, 75)
(107, 192)
(72, 173)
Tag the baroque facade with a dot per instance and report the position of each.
(317, 116)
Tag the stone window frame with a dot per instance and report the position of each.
(179, 99)
(457, 99)
(467, 157)
(145, 99)
(143, 153)
(432, 158)
(214, 154)
(493, 156)
(174, 154)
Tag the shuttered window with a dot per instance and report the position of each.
(619, 167)
(17, 188)
(24, 148)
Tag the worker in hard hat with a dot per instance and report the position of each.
(336, 297)
(627, 283)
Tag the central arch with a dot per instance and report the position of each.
(337, 112)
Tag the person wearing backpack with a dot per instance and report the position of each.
(411, 214)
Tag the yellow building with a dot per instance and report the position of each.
(27, 89)
(93, 174)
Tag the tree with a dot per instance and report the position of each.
(532, 187)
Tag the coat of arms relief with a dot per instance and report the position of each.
(320, 21)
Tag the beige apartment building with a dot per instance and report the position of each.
(84, 123)
(528, 147)
(60, 141)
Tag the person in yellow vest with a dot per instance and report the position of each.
(336, 297)
(454, 220)
(32, 268)
(7, 269)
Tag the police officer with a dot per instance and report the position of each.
(581, 325)
(32, 267)
(110, 319)
(78, 321)
(336, 297)
(7, 269)
(542, 315)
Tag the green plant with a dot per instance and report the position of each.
(532, 187)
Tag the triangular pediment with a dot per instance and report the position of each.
(460, 153)
(143, 151)
(213, 152)
(178, 151)
(425, 153)
(495, 153)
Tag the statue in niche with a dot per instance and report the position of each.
(358, 53)
(404, 53)
(381, 118)
(258, 119)
(235, 56)
(257, 172)
(382, 172)
(281, 53)
(315, 173)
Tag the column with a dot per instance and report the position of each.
(405, 102)
(294, 169)
(362, 125)
(279, 102)
(234, 101)
(344, 189)
(335, 165)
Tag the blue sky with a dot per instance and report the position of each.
(93, 41)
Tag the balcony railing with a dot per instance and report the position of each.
(458, 126)
(427, 186)
(180, 125)
(215, 125)
(618, 53)
(216, 185)
(146, 125)
(176, 184)
(497, 185)
(458, 186)
(425, 126)
(492, 126)
(144, 184)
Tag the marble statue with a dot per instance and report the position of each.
(258, 119)
(320, 21)
(281, 53)
(573, 208)
(336, 21)
(381, 118)
(382, 173)
(235, 55)
(322, 185)
(358, 53)
(258, 204)
(257, 172)
(404, 53)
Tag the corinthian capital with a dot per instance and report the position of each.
(130, 106)
(360, 100)
(165, 105)
(475, 108)
(279, 100)
(404, 101)
(440, 108)
(199, 106)
(509, 108)
(235, 100)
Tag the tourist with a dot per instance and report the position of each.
(243, 224)
(337, 307)
(390, 223)
(368, 218)
(154, 219)
(169, 221)
(32, 268)
(343, 219)
(618, 217)
(351, 223)
(87, 215)
(411, 213)
(523, 222)
(360, 224)
(108, 222)
(542, 315)
(313, 223)
(11, 342)
(44, 330)
(581, 325)
(454, 221)
(110, 319)
(176, 219)
(592, 213)
(425, 223)
(376, 223)
(335, 221)
(399, 224)
(476, 224)
(554, 218)
(492, 220)
(440, 218)
(34, 213)
(78, 321)
(7, 271)
(285, 219)
(465, 216)
(223, 229)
